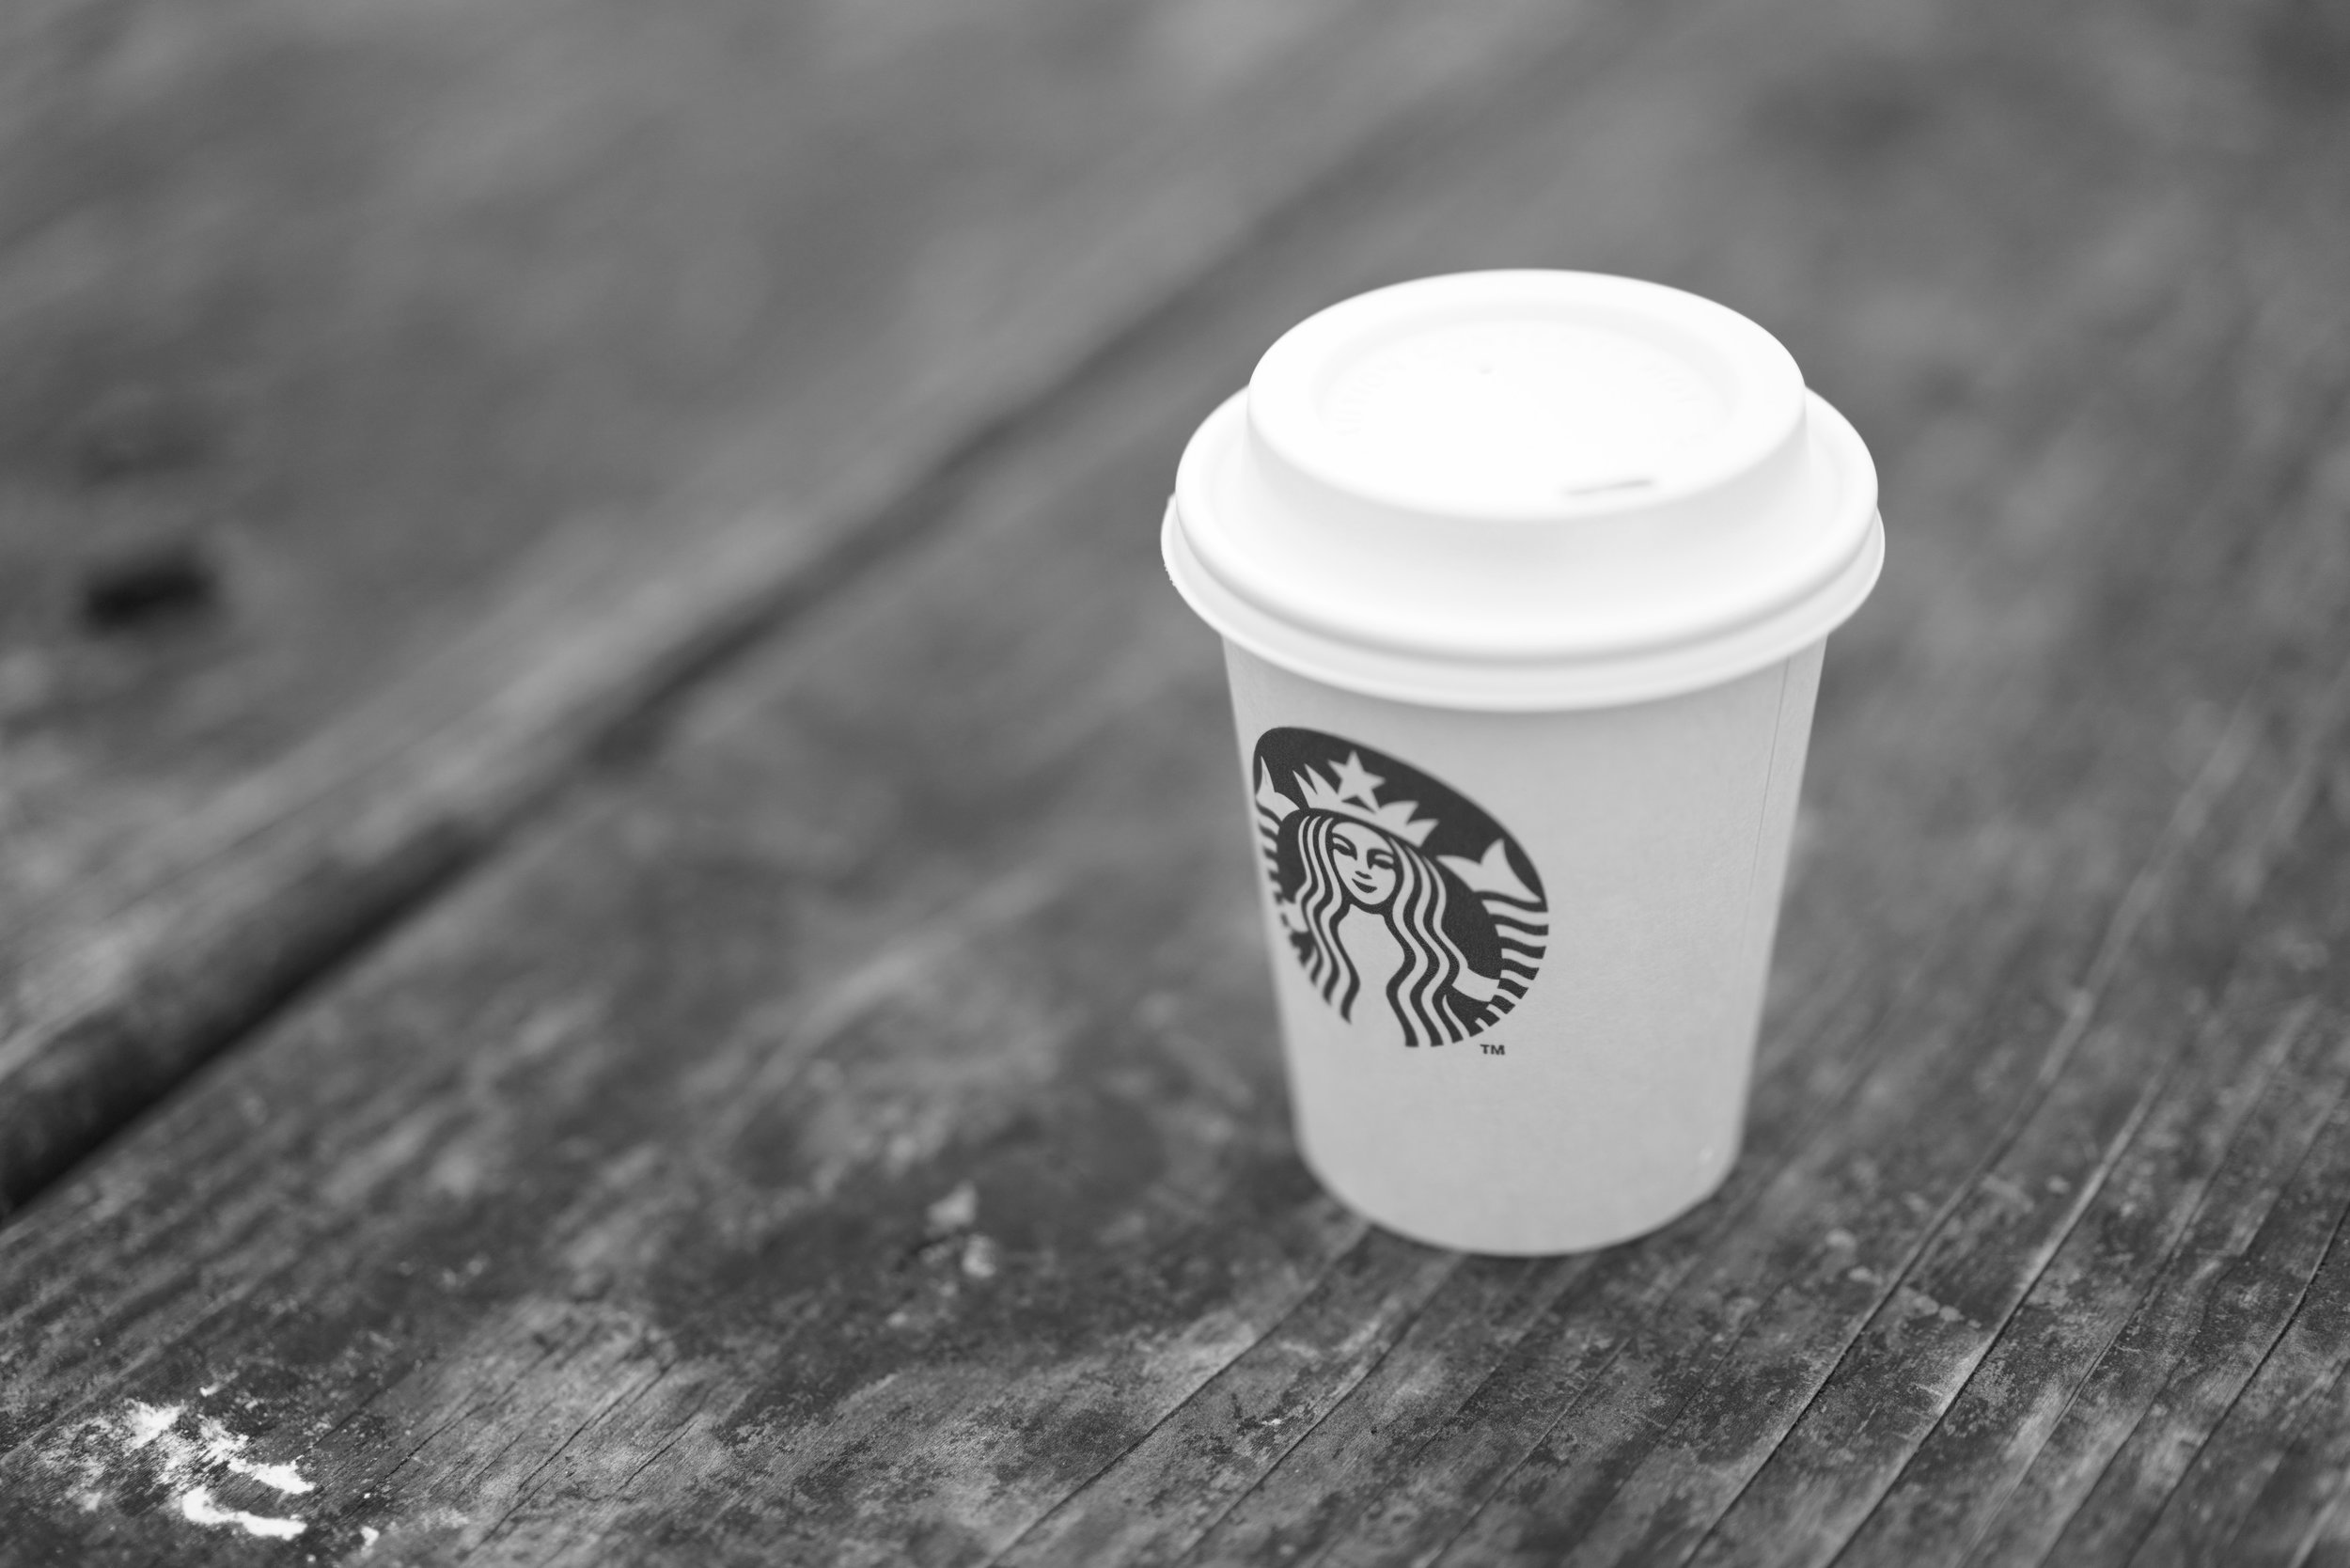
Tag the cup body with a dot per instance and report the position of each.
(1524, 580)
(1596, 1088)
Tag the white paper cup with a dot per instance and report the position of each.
(1524, 580)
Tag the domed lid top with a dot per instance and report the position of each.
(1529, 395)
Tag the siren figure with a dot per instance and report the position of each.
(1444, 943)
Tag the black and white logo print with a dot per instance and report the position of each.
(1416, 914)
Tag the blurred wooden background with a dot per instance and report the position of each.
(626, 927)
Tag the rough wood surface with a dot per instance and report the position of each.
(395, 400)
(850, 1130)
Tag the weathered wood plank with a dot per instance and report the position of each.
(978, 961)
(853, 1137)
(2298, 1515)
(2259, 1372)
(2183, 1201)
(487, 375)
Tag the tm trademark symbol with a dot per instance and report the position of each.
(1494, 1048)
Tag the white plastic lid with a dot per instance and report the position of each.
(1524, 490)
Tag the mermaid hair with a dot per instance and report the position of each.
(1415, 914)
(1323, 902)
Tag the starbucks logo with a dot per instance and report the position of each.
(1413, 910)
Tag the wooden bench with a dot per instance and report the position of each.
(626, 916)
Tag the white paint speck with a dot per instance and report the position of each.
(143, 1424)
(958, 1211)
(208, 1391)
(198, 1507)
(368, 1536)
(224, 1448)
(144, 1440)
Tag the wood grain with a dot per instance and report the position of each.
(849, 1130)
(474, 381)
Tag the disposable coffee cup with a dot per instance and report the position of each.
(1524, 580)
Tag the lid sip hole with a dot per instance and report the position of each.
(1606, 487)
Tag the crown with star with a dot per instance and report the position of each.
(1352, 791)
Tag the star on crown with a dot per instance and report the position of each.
(1353, 791)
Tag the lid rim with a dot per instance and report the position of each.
(1851, 473)
(1561, 685)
